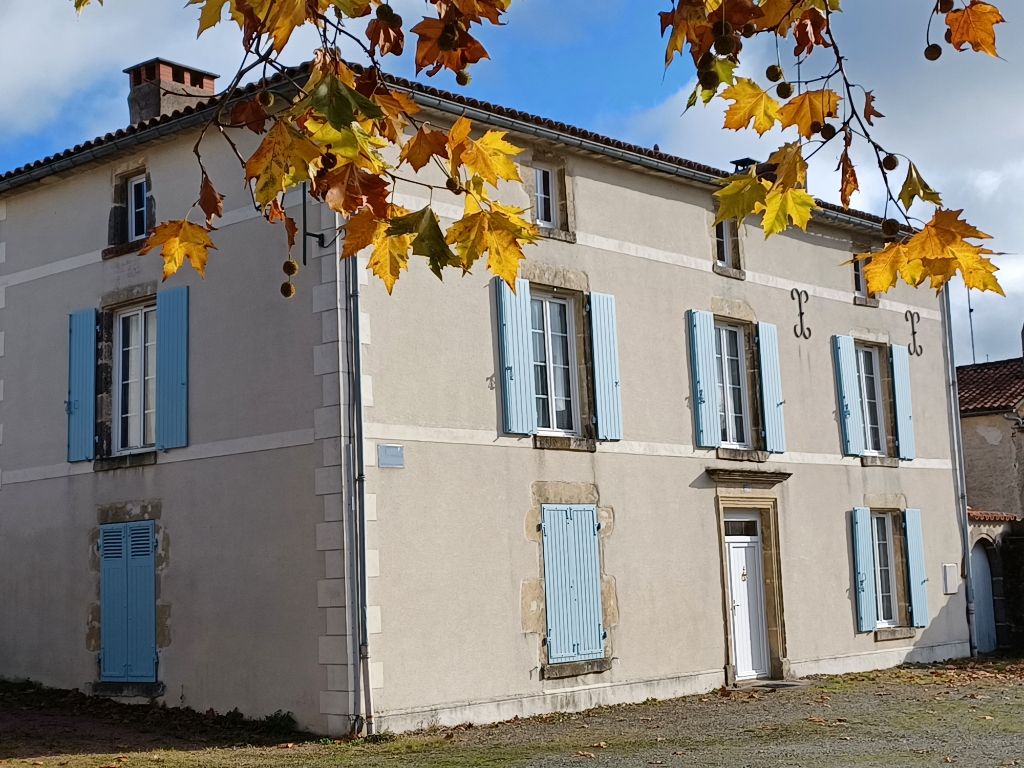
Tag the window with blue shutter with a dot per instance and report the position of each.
(172, 368)
(608, 405)
(851, 415)
(572, 583)
(702, 373)
(904, 409)
(128, 602)
(81, 403)
(916, 571)
(519, 411)
(864, 589)
(771, 388)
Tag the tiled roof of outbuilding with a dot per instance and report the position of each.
(979, 516)
(986, 387)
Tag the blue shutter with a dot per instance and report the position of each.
(771, 388)
(172, 368)
(904, 407)
(606, 366)
(848, 392)
(572, 583)
(141, 601)
(916, 572)
(81, 403)
(704, 395)
(864, 570)
(113, 603)
(519, 405)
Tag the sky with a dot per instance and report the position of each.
(598, 64)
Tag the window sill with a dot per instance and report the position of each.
(724, 271)
(883, 634)
(124, 461)
(742, 454)
(574, 669)
(129, 690)
(865, 301)
(122, 249)
(564, 443)
(552, 233)
(880, 461)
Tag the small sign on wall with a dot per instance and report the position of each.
(390, 456)
(950, 578)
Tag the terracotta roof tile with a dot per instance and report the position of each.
(997, 386)
(978, 516)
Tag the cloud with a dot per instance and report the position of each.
(954, 117)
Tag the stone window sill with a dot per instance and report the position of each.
(574, 669)
(129, 690)
(565, 443)
(865, 301)
(894, 633)
(550, 233)
(880, 461)
(742, 454)
(125, 461)
(724, 271)
(122, 249)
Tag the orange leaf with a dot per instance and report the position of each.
(808, 31)
(347, 188)
(869, 108)
(445, 44)
(974, 26)
(423, 146)
(848, 175)
(809, 108)
(387, 38)
(251, 114)
(210, 200)
(180, 240)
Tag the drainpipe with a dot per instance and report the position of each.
(959, 474)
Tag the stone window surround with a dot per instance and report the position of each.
(735, 273)
(566, 231)
(117, 224)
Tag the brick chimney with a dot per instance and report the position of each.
(159, 87)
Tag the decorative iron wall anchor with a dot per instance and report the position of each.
(913, 318)
(800, 330)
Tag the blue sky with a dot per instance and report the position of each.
(597, 64)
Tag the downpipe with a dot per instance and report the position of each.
(959, 473)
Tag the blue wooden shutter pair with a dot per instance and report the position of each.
(900, 359)
(171, 376)
(851, 414)
(864, 569)
(515, 344)
(572, 583)
(128, 602)
(704, 390)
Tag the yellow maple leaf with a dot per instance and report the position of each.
(281, 161)
(360, 231)
(80, 4)
(740, 196)
(781, 206)
(790, 166)
(390, 253)
(915, 186)
(490, 158)
(750, 104)
(180, 240)
(210, 14)
(974, 26)
(809, 108)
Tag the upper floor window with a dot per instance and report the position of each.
(552, 333)
(727, 245)
(860, 283)
(547, 196)
(731, 384)
(135, 378)
(869, 377)
(138, 214)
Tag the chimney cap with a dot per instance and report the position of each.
(158, 60)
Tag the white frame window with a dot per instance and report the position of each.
(133, 425)
(860, 284)
(732, 385)
(137, 189)
(727, 244)
(546, 196)
(886, 597)
(553, 345)
(869, 378)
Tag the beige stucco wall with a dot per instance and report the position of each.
(994, 457)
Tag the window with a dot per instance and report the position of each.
(885, 581)
(138, 213)
(547, 196)
(128, 601)
(727, 244)
(572, 583)
(555, 376)
(869, 375)
(731, 385)
(135, 379)
(860, 285)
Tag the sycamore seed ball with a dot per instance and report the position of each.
(290, 267)
(774, 73)
(933, 51)
(890, 227)
(287, 290)
(890, 162)
(785, 90)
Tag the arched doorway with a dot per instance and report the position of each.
(984, 605)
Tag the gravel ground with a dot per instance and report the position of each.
(967, 713)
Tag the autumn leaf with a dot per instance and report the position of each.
(390, 253)
(210, 200)
(281, 161)
(276, 213)
(251, 114)
(424, 145)
(490, 158)
(360, 231)
(210, 14)
(387, 38)
(869, 108)
(790, 166)
(348, 188)
(848, 183)
(782, 206)
(180, 240)
(428, 238)
(808, 108)
(750, 104)
(974, 26)
(499, 231)
(80, 4)
(738, 199)
(808, 32)
(915, 186)
(445, 44)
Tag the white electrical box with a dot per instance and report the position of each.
(950, 578)
(390, 456)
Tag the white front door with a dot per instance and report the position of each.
(746, 588)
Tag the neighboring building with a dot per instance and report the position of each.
(992, 424)
(674, 459)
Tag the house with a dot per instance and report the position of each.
(678, 456)
(992, 422)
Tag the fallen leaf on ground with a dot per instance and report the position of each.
(582, 753)
(600, 745)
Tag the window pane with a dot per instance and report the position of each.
(883, 569)
(741, 527)
(563, 415)
(149, 425)
(723, 418)
(720, 243)
(130, 380)
(544, 195)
